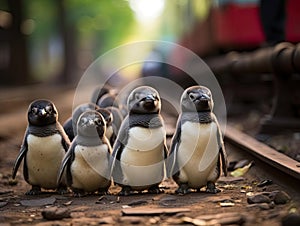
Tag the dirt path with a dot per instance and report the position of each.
(230, 207)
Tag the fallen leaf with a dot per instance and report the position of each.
(241, 171)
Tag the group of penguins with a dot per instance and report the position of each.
(105, 142)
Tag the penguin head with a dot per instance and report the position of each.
(82, 108)
(91, 124)
(99, 92)
(42, 113)
(107, 115)
(196, 98)
(108, 100)
(144, 100)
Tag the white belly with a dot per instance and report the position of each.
(198, 153)
(142, 158)
(109, 132)
(43, 159)
(90, 169)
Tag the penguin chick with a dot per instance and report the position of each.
(100, 91)
(44, 146)
(71, 123)
(116, 122)
(87, 160)
(111, 100)
(140, 150)
(197, 152)
(108, 100)
(110, 134)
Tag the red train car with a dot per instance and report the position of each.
(236, 25)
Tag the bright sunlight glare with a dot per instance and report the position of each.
(147, 10)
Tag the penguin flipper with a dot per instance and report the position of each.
(172, 164)
(68, 128)
(66, 160)
(115, 164)
(222, 151)
(20, 157)
(65, 139)
(223, 157)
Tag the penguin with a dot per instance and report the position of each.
(70, 124)
(44, 147)
(108, 100)
(115, 124)
(140, 149)
(197, 153)
(87, 161)
(99, 91)
(111, 100)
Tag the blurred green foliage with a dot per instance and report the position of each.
(105, 22)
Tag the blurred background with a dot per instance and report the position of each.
(47, 45)
(54, 41)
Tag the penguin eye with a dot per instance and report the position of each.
(98, 121)
(34, 110)
(192, 96)
(49, 109)
(137, 96)
(83, 120)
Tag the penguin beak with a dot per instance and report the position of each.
(149, 98)
(91, 122)
(204, 96)
(43, 112)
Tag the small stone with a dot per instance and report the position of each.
(194, 221)
(2, 204)
(265, 183)
(38, 202)
(241, 164)
(168, 200)
(68, 203)
(146, 211)
(137, 203)
(131, 220)
(230, 179)
(292, 219)
(259, 198)
(280, 197)
(262, 206)
(154, 220)
(107, 220)
(55, 213)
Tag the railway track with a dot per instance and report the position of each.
(272, 183)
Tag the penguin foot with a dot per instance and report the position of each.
(211, 188)
(103, 191)
(155, 190)
(62, 190)
(78, 193)
(126, 190)
(35, 190)
(183, 189)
